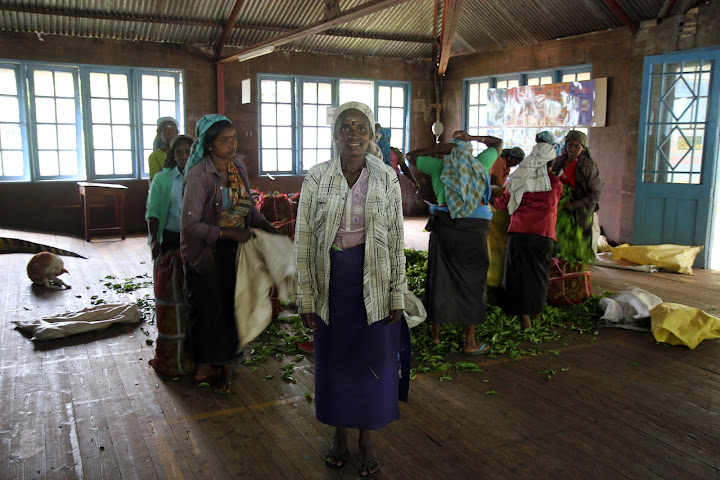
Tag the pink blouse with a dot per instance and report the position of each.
(352, 224)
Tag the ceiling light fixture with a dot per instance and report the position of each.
(250, 54)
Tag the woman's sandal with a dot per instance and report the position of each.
(336, 460)
(368, 468)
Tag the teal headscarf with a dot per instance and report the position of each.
(384, 144)
(197, 151)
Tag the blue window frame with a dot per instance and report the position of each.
(72, 122)
(295, 121)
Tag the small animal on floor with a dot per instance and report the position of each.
(44, 268)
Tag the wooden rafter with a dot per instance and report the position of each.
(622, 14)
(360, 11)
(229, 25)
(450, 17)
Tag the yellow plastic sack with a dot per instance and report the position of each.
(673, 258)
(682, 325)
(497, 243)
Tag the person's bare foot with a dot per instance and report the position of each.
(435, 334)
(222, 387)
(204, 372)
(476, 348)
(368, 464)
(525, 322)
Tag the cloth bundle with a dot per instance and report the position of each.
(89, 319)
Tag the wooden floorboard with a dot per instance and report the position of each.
(90, 406)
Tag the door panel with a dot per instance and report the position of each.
(677, 150)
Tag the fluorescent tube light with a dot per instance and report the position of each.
(255, 53)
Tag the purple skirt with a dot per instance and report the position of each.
(361, 370)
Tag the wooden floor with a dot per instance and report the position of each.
(90, 406)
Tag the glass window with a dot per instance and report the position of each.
(12, 136)
(160, 97)
(677, 121)
(296, 114)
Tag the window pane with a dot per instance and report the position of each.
(121, 136)
(284, 92)
(149, 132)
(149, 87)
(10, 137)
(102, 136)
(568, 77)
(269, 139)
(119, 86)
(383, 95)
(9, 109)
(66, 110)
(398, 97)
(8, 81)
(325, 93)
(167, 109)
(47, 137)
(68, 163)
(123, 162)
(167, 88)
(267, 91)
(285, 160)
(502, 84)
(473, 93)
(48, 163)
(267, 114)
(99, 85)
(269, 160)
(309, 92)
(103, 162)
(533, 81)
(546, 80)
(284, 113)
(324, 140)
(43, 81)
(45, 110)
(309, 137)
(358, 91)
(383, 117)
(120, 111)
(67, 138)
(12, 164)
(583, 76)
(150, 112)
(309, 159)
(396, 119)
(324, 155)
(483, 92)
(309, 115)
(100, 108)
(284, 137)
(513, 83)
(64, 84)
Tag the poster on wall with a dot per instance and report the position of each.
(581, 100)
(514, 106)
(534, 108)
(496, 106)
(555, 105)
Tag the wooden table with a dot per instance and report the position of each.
(97, 194)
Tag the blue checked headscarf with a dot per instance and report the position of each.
(547, 137)
(465, 179)
(197, 151)
(157, 143)
(384, 143)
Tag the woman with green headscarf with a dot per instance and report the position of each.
(217, 214)
(577, 168)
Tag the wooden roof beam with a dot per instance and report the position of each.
(450, 17)
(622, 14)
(229, 25)
(367, 8)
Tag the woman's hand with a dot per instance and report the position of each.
(155, 248)
(395, 315)
(308, 319)
(462, 135)
(240, 235)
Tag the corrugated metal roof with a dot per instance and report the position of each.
(401, 31)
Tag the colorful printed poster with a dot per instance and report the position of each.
(514, 106)
(555, 105)
(580, 103)
(496, 106)
(534, 106)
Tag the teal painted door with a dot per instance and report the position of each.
(677, 150)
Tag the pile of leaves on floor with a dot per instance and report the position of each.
(287, 337)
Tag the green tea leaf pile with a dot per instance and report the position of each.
(572, 245)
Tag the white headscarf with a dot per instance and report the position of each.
(531, 175)
(373, 148)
